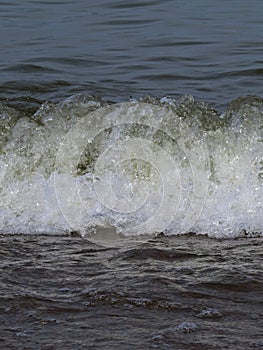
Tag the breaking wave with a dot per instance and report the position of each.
(143, 167)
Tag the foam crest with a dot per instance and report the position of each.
(144, 166)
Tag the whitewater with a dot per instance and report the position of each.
(145, 166)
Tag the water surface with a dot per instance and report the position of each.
(185, 292)
(104, 290)
(52, 49)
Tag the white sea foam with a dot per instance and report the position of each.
(143, 167)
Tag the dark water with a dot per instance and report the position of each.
(181, 292)
(185, 292)
(114, 49)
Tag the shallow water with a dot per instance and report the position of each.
(192, 162)
(184, 292)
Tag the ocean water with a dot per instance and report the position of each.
(131, 174)
(117, 49)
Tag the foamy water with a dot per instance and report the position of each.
(144, 166)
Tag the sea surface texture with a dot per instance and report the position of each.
(116, 49)
(131, 174)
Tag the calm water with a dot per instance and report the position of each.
(102, 290)
(117, 49)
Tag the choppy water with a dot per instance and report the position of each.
(185, 292)
(130, 132)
